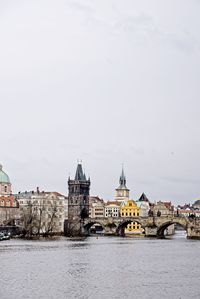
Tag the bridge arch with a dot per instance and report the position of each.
(88, 226)
(120, 230)
(161, 229)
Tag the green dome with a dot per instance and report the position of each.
(4, 178)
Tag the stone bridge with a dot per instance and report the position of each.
(153, 226)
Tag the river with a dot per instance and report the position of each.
(103, 267)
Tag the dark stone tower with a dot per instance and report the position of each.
(78, 202)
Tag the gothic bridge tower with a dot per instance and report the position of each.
(78, 202)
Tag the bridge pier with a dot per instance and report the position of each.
(75, 229)
(151, 231)
(193, 233)
(110, 230)
(120, 232)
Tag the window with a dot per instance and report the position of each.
(5, 189)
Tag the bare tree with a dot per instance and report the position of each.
(39, 218)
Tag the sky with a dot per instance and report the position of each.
(106, 82)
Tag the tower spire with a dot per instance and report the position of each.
(122, 179)
(122, 192)
(79, 176)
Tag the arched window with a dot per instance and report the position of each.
(5, 189)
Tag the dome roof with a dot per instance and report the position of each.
(4, 178)
(197, 202)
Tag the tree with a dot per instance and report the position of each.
(39, 217)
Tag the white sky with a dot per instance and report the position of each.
(108, 82)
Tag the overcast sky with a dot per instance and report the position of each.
(108, 82)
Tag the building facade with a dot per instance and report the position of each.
(112, 209)
(144, 205)
(96, 207)
(130, 209)
(163, 208)
(9, 207)
(5, 184)
(196, 205)
(9, 210)
(42, 212)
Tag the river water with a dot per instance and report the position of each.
(103, 267)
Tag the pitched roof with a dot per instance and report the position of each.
(143, 198)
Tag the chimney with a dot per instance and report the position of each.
(38, 190)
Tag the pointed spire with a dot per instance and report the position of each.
(79, 173)
(122, 179)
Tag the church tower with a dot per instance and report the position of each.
(122, 192)
(78, 201)
(5, 184)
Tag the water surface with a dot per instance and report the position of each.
(104, 267)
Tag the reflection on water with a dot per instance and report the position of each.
(106, 267)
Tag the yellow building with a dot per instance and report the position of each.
(130, 209)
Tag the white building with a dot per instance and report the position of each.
(96, 207)
(42, 212)
(143, 204)
(112, 209)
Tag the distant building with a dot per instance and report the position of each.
(42, 212)
(112, 209)
(96, 207)
(130, 209)
(163, 208)
(9, 210)
(9, 207)
(186, 210)
(196, 205)
(122, 192)
(144, 205)
(5, 184)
